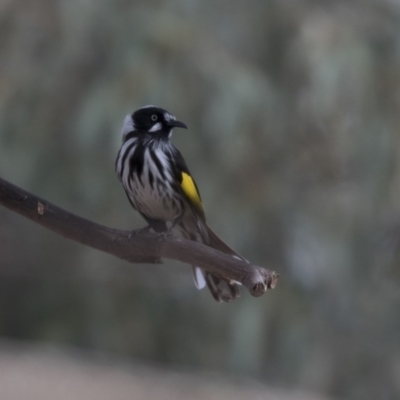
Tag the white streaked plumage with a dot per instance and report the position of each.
(124, 148)
(125, 145)
(154, 201)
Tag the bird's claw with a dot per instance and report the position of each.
(164, 235)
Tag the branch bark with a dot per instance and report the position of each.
(135, 246)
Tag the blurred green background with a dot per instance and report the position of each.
(293, 115)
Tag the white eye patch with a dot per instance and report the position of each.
(156, 127)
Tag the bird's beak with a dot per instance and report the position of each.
(176, 124)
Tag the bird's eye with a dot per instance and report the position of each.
(154, 117)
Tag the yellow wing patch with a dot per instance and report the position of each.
(190, 190)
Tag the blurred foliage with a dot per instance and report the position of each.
(294, 142)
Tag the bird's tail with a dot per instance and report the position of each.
(217, 243)
(221, 289)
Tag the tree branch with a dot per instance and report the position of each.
(135, 246)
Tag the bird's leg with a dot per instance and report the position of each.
(169, 231)
(165, 234)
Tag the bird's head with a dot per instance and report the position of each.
(151, 120)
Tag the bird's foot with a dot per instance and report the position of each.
(164, 235)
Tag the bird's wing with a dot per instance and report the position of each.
(188, 185)
(191, 191)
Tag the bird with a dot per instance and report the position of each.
(159, 185)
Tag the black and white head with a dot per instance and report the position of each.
(151, 120)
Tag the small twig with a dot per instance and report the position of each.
(135, 246)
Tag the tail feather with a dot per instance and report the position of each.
(221, 289)
(199, 279)
(217, 243)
